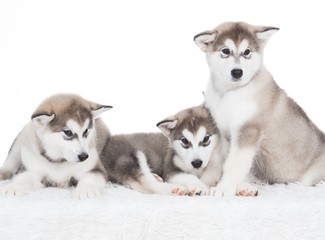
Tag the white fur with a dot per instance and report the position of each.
(90, 185)
(231, 109)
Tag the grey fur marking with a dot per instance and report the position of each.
(119, 155)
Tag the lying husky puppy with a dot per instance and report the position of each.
(270, 136)
(196, 152)
(182, 158)
(58, 147)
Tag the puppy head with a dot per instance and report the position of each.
(192, 135)
(234, 52)
(64, 125)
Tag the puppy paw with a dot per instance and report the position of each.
(86, 191)
(247, 190)
(12, 189)
(179, 191)
(198, 189)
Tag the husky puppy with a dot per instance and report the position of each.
(137, 161)
(57, 147)
(196, 153)
(270, 136)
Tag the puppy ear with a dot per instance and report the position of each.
(205, 40)
(266, 32)
(42, 118)
(167, 125)
(97, 110)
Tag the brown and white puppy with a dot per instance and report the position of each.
(196, 153)
(271, 138)
(59, 147)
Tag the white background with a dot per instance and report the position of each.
(139, 56)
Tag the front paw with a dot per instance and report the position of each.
(178, 190)
(86, 191)
(247, 190)
(14, 189)
(198, 189)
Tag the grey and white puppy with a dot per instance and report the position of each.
(188, 160)
(196, 152)
(58, 147)
(271, 138)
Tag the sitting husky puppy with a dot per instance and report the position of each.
(58, 147)
(196, 152)
(270, 136)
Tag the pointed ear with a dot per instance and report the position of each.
(167, 125)
(266, 33)
(205, 40)
(99, 109)
(42, 119)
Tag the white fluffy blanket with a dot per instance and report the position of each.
(279, 212)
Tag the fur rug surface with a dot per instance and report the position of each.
(279, 212)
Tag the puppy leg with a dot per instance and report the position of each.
(236, 170)
(149, 180)
(194, 185)
(90, 185)
(23, 183)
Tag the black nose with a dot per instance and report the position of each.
(197, 163)
(83, 156)
(236, 73)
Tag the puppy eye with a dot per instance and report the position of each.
(185, 142)
(225, 51)
(68, 134)
(86, 133)
(247, 53)
(206, 140)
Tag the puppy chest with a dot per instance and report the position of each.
(233, 111)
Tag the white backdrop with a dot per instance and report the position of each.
(139, 56)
